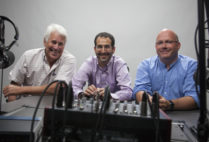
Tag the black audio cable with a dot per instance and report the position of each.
(101, 115)
(196, 75)
(36, 109)
(68, 104)
(144, 104)
(105, 106)
(155, 115)
(61, 87)
(154, 108)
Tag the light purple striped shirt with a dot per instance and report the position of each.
(115, 75)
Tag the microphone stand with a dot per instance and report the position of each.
(2, 41)
(203, 121)
(6, 57)
(1, 89)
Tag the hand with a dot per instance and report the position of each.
(12, 90)
(91, 90)
(101, 91)
(150, 98)
(11, 98)
(163, 103)
(139, 96)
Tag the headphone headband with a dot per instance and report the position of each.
(16, 37)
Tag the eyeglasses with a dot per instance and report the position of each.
(167, 42)
(105, 46)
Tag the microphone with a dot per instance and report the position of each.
(7, 58)
(144, 105)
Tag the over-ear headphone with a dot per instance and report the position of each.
(6, 57)
(16, 37)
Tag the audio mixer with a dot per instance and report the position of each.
(120, 117)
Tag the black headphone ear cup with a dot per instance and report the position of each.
(16, 37)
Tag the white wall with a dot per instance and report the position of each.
(134, 24)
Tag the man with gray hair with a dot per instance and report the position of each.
(38, 67)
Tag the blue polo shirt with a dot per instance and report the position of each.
(175, 82)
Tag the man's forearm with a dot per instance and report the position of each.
(13, 90)
(184, 103)
(39, 89)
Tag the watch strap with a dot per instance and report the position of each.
(171, 105)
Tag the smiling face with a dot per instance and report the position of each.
(54, 47)
(103, 50)
(167, 46)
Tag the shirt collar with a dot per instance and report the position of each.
(45, 59)
(164, 66)
(108, 64)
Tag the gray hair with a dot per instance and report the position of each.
(55, 27)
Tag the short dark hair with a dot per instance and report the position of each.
(106, 35)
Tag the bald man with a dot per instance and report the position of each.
(169, 74)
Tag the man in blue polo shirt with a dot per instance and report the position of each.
(170, 74)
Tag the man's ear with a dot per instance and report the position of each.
(179, 45)
(44, 42)
(113, 48)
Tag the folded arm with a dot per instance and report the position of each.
(14, 89)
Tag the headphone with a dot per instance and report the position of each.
(16, 37)
(6, 57)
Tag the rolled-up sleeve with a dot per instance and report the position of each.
(142, 82)
(189, 83)
(18, 73)
(80, 78)
(123, 80)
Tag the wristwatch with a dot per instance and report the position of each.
(171, 105)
